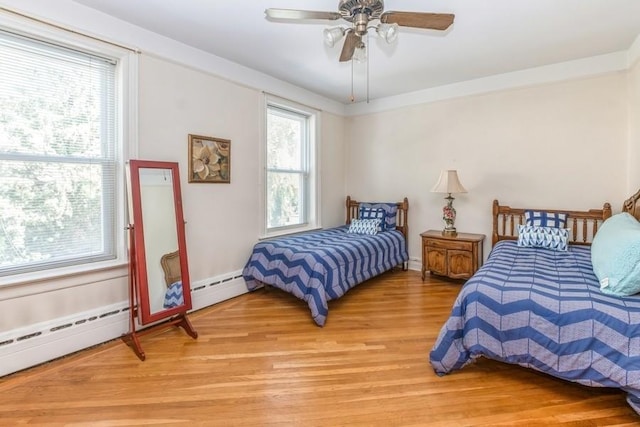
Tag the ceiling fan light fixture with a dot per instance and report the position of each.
(333, 35)
(360, 53)
(388, 32)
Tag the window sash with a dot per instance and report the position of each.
(303, 171)
(59, 146)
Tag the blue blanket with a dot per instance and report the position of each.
(321, 266)
(543, 309)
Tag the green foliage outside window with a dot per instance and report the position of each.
(286, 163)
(57, 163)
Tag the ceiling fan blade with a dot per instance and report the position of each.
(431, 21)
(350, 42)
(300, 14)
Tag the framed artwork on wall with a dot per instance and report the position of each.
(209, 159)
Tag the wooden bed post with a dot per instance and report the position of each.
(405, 223)
(348, 210)
(494, 234)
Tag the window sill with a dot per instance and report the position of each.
(289, 232)
(21, 285)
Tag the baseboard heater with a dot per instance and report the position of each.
(42, 342)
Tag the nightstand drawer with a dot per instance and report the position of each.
(450, 244)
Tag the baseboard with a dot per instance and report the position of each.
(211, 291)
(39, 343)
(415, 265)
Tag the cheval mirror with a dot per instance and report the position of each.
(159, 286)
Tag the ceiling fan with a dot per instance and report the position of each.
(360, 13)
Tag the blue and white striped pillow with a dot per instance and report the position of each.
(545, 219)
(364, 226)
(390, 212)
(556, 239)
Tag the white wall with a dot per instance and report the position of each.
(558, 145)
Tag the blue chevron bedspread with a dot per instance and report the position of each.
(543, 309)
(321, 266)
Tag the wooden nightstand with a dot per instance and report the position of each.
(457, 257)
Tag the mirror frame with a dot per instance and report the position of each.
(145, 315)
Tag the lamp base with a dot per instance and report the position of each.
(449, 217)
(449, 232)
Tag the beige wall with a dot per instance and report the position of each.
(222, 219)
(332, 169)
(558, 145)
(634, 127)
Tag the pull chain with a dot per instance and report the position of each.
(352, 95)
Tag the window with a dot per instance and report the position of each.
(60, 156)
(290, 164)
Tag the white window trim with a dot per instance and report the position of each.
(314, 219)
(127, 138)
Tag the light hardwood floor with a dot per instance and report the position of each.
(261, 361)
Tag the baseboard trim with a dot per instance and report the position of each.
(39, 343)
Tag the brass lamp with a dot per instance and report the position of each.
(449, 183)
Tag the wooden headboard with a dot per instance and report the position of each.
(353, 210)
(171, 266)
(632, 206)
(583, 224)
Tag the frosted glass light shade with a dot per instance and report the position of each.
(360, 54)
(333, 35)
(448, 182)
(388, 32)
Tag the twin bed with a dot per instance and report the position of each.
(531, 306)
(544, 309)
(323, 265)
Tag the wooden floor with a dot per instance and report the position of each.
(261, 361)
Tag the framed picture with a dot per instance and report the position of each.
(209, 159)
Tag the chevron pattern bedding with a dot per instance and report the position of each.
(173, 296)
(321, 266)
(543, 309)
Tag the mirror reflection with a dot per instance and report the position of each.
(160, 239)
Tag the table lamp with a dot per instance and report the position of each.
(449, 183)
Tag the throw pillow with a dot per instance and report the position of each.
(556, 239)
(364, 226)
(615, 255)
(545, 219)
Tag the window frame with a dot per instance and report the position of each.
(311, 162)
(126, 121)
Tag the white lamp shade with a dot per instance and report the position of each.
(333, 35)
(448, 182)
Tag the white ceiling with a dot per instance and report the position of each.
(488, 37)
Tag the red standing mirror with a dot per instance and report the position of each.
(158, 267)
